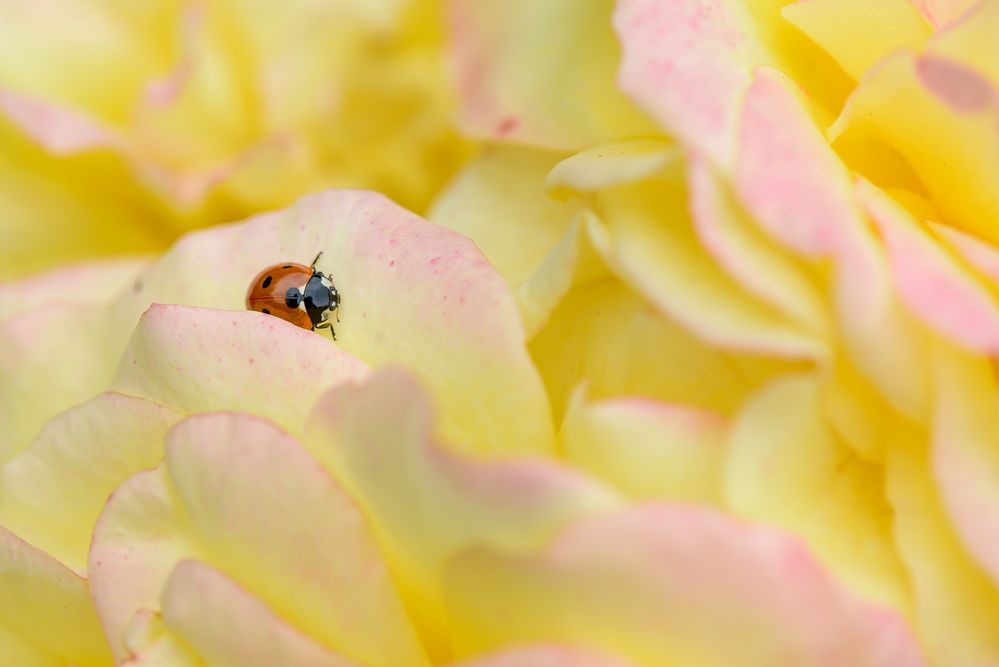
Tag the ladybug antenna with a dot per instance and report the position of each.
(316, 259)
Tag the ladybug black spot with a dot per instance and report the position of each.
(267, 282)
(266, 311)
(286, 266)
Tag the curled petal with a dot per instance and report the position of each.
(645, 448)
(46, 614)
(412, 293)
(53, 492)
(689, 587)
(199, 360)
(243, 496)
(427, 503)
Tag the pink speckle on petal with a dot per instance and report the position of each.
(507, 125)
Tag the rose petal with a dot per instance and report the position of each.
(426, 503)
(965, 460)
(88, 283)
(198, 360)
(540, 73)
(786, 174)
(498, 200)
(45, 609)
(542, 656)
(754, 261)
(53, 491)
(690, 62)
(671, 585)
(785, 467)
(612, 164)
(651, 243)
(228, 627)
(931, 281)
(857, 34)
(52, 358)
(607, 335)
(413, 293)
(645, 448)
(956, 602)
(243, 496)
(904, 95)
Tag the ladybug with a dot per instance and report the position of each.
(297, 293)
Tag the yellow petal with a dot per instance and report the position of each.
(52, 358)
(665, 585)
(956, 602)
(498, 200)
(228, 627)
(785, 467)
(53, 491)
(46, 608)
(903, 96)
(540, 73)
(91, 283)
(609, 336)
(651, 243)
(428, 503)
(542, 656)
(856, 33)
(647, 449)
(243, 496)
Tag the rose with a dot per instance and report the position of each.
(123, 127)
(240, 545)
(747, 344)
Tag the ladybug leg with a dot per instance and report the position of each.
(327, 325)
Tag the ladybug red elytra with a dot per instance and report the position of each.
(297, 293)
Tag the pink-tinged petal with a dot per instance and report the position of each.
(228, 627)
(200, 360)
(540, 73)
(930, 279)
(645, 448)
(646, 236)
(59, 130)
(47, 608)
(244, 497)
(965, 457)
(689, 63)
(542, 656)
(784, 466)
(53, 491)
(976, 252)
(786, 174)
(426, 504)
(671, 585)
(857, 33)
(941, 13)
(51, 358)
(734, 240)
(89, 283)
(956, 602)
(412, 293)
